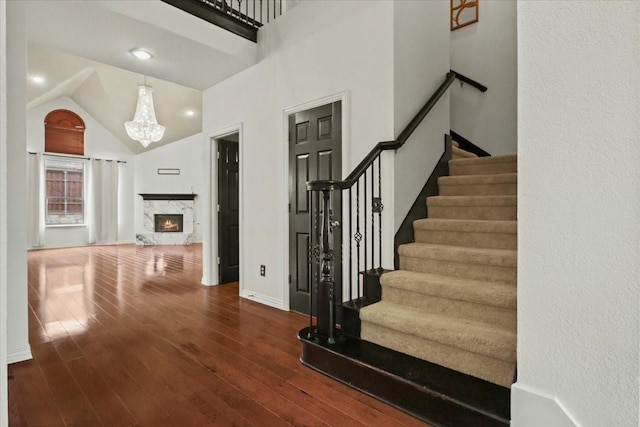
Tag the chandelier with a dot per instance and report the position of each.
(144, 127)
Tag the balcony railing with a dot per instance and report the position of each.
(241, 17)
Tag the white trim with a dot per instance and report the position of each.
(212, 219)
(343, 97)
(19, 355)
(4, 419)
(532, 408)
(263, 299)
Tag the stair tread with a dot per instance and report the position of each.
(467, 225)
(472, 200)
(495, 294)
(486, 160)
(463, 153)
(495, 257)
(469, 335)
(497, 178)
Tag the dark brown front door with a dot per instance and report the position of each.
(228, 198)
(315, 152)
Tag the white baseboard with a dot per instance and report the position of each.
(533, 408)
(262, 299)
(19, 355)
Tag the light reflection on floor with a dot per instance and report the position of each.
(64, 281)
(66, 291)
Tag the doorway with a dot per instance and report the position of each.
(315, 153)
(228, 209)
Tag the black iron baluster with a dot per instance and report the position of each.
(365, 223)
(253, 17)
(380, 207)
(280, 7)
(274, 9)
(240, 10)
(268, 10)
(246, 11)
(373, 219)
(261, 11)
(350, 245)
(358, 236)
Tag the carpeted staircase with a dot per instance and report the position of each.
(453, 301)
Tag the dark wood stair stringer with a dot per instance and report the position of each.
(371, 294)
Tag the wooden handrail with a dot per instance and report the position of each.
(350, 180)
(468, 80)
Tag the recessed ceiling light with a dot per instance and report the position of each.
(190, 113)
(37, 79)
(141, 54)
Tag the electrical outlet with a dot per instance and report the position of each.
(263, 270)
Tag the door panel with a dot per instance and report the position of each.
(315, 152)
(325, 165)
(301, 177)
(228, 203)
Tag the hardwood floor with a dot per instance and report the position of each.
(127, 336)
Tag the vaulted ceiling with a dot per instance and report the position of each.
(81, 50)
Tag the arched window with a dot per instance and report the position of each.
(64, 133)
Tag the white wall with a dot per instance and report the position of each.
(421, 62)
(98, 143)
(486, 52)
(186, 155)
(579, 214)
(17, 326)
(315, 50)
(4, 419)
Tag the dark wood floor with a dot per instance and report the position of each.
(125, 335)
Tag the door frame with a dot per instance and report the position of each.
(343, 97)
(211, 253)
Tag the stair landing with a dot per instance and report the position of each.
(429, 392)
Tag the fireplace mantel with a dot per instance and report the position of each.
(156, 196)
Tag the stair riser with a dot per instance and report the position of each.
(496, 316)
(487, 368)
(468, 239)
(474, 212)
(506, 189)
(459, 153)
(459, 269)
(482, 169)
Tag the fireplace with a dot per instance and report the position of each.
(168, 223)
(168, 219)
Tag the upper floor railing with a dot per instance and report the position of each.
(242, 17)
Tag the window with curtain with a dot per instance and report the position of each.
(65, 202)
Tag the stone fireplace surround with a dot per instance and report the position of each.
(167, 204)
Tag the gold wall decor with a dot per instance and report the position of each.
(463, 13)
